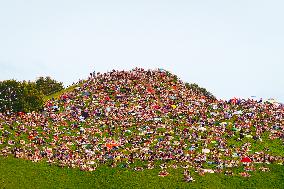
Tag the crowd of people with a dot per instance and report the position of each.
(145, 119)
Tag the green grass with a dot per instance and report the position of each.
(18, 173)
(57, 94)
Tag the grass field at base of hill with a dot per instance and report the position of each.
(18, 173)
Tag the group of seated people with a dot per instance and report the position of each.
(122, 117)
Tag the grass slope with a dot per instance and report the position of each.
(57, 94)
(18, 173)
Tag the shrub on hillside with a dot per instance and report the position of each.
(199, 90)
(48, 86)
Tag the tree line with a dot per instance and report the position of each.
(200, 90)
(26, 96)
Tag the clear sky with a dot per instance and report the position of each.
(232, 48)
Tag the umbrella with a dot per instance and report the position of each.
(234, 129)
(235, 155)
(21, 113)
(208, 170)
(111, 145)
(174, 106)
(249, 136)
(192, 148)
(202, 129)
(172, 97)
(150, 90)
(246, 160)
(206, 151)
(156, 107)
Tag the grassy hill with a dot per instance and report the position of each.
(17, 173)
(130, 128)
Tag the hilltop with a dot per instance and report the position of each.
(147, 119)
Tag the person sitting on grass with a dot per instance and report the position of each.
(187, 177)
(163, 173)
(245, 174)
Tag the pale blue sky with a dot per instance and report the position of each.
(232, 48)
